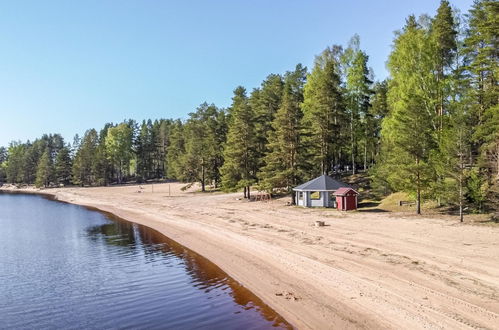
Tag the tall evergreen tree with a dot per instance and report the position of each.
(239, 168)
(281, 168)
(62, 166)
(323, 113)
(3, 165)
(445, 37)
(175, 151)
(44, 170)
(162, 131)
(83, 171)
(265, 102)
(376, 113)
(144, 151)
(481, 48)
(358, 92)
(202, 154)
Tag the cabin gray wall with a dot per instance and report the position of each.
(307, 201)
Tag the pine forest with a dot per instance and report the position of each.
(431, 129)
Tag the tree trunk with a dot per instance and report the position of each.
(418, 202)
(249, 196)
(203, 188)
(293, 196)
(461, 217)
(461, 168)
(497, 161)
(245, 195)
(365, 155)
(353, 145)
(119, 173)
(418, 182)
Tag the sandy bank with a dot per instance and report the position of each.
(363, 270)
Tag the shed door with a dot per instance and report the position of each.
(350, 199)
(339, 204)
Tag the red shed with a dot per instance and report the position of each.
(346, 199)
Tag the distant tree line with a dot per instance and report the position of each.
(430, 129)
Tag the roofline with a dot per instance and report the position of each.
(314, 189)
(349, 189)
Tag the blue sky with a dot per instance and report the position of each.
(66, 66)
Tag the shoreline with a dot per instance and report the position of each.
(331, 277)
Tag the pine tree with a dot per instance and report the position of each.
(481, 48)
(281, 168)
(162, 131)
(358, 92)
(444, 34)
(454, 148)
(376, 113)
(201, 151)
(83, 170)
(144, 149)
(3, 165)
(62, 167)
(240, 166)
(175, 151)
(30, 161)
(265, 102)
(323, 113)
(44, 170)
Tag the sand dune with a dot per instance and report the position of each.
(362, 270)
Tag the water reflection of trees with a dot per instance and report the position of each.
(205, 275)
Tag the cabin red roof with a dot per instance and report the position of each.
(344, 190)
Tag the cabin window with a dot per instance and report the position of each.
(315, 195)
(300, 196)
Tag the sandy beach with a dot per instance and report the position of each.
(376, 270)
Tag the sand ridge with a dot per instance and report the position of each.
(362, 270)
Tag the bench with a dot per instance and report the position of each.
(409, 203)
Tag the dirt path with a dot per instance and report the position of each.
(362, 270)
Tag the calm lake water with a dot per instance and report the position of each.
(63, 266)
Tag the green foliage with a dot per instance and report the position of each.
(444, 32)
(119, 148)
(44, 170)
(204, 135)
(431, 128)
(15, 161)
(83, 170)
(3, 164)
(282, 161)
(176, 150)
(265, 102)
(477, 189)
(240, 153)
(144, 151)
(358, 93)
(62, 166)
(409, 130)
(323, 113)
(481, 46)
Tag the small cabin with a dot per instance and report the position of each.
(318, 192)
(346, 199)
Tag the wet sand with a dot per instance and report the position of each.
(362, 270)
